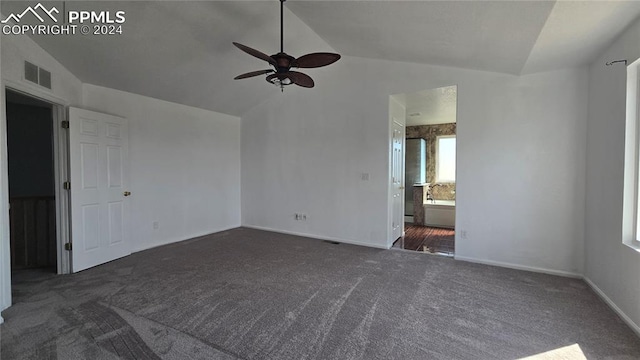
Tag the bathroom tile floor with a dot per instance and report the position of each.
(427, 239)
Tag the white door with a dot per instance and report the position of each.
(397, 171)
(99, 178)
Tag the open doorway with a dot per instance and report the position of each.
(32, 185)
(430, 170)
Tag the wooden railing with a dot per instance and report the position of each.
(33, 231)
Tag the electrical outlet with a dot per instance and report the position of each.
(156, 225)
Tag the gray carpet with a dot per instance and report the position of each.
(248, 294)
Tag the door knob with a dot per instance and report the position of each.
(127, 193)
(401, 187)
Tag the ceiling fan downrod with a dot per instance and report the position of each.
(274, 79)
(282, 25)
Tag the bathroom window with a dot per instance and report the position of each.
(446, 159)
(631, 213)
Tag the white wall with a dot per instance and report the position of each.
(66, 89)
(611, 266)
(185, 162)
(521, 165)
(521, 162)
(185, 166)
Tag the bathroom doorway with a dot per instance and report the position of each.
(430, 170)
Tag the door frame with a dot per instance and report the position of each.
(61, 173)
(396, 122)
(392, 119)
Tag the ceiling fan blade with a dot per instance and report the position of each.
(315, 60)
(255, 53)
(300, 79)
(251, 74)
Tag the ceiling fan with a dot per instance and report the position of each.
(281, 74)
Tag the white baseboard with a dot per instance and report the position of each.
(190, 237)
(1, 320)
(319, 237)
(613, 306)
(520, 267)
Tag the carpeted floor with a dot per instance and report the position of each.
(249, 294)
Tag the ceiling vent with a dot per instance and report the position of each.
(37, 75)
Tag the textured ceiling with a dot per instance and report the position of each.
(577, 31)
(513, 37)
(428, 107)
(486, 35)
(181, 51)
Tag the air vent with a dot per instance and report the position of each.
(44, 78)
(37, 75)
(30, 72)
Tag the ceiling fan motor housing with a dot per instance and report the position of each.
(283, 62)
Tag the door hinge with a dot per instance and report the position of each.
(67, 185)
(67, 246)
(65, 124)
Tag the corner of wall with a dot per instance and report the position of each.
(610, 267)
(613, 306)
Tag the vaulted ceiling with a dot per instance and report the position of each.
(181, 51)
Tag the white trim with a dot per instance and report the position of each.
(391, 237)
(191, 237)
(318, 237)
(35, 91)
(390, 208)
(520, 267)
(61, 174)
(58, 113)
(630, 213)
(613, 306)
(5, 258)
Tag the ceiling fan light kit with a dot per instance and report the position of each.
(281, 74)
